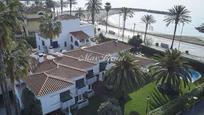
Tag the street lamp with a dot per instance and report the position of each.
(148, 100)
(107, 8)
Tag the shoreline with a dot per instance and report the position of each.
(196, 40)
(187, 39)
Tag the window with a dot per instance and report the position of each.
(65, 96)
(82, 40)
(76, 43)
(90, 74)
(43, 43)
(72, 47)
(65, 44)
(80, 83)
(55, 44)
(40, 13)
(39, 47)
(71, 39)
(102, 66)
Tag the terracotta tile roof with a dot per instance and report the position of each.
(66, 73)
(142, 61)
(85, 55)
(45, 66)
(109, 47)
(42, 84)
(73, 62)
(80, 35)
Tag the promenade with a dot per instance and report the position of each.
(195, 51)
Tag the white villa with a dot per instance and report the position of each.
(75, 34)
(64, 81)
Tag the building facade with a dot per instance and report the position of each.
(65, 81)
(74, 34)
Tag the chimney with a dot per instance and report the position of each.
(41, 57)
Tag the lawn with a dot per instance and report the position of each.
(137, 103)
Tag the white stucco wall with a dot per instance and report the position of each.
(88, 29)
(51, 102)
(67, 27)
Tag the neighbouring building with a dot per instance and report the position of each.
(75, 34)
(64, 81)
(33, 17)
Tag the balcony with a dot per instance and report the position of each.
(90, 93)
(91, 80)
(66, 99)
(83, 103)
(82, 90)
(68, 103)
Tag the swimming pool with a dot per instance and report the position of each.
(195, 75)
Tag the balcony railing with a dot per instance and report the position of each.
(91, 80)
(82, 90)
(68, 103)
(83, 103)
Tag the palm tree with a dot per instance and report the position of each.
(124, 76)
(110, 107)
(38, 2)
(178, 14)
(17, 61)
(50, 4)
(94, 7)
(172, 69)
(107, 8)
(71, 2)
(200, 28)
(61, 5)
(10, 19)
(127, 12)
(80, 13)
(147, 19)
(50, 28)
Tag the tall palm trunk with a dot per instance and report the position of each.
(175, 28)
(122, 103)
(93, 16)
(106, 22)
(4, 86)
(61, 3)
(70, 8)
(6, 98)
(16, 106)
(145, 33)
(54, 9)
(124, 22)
